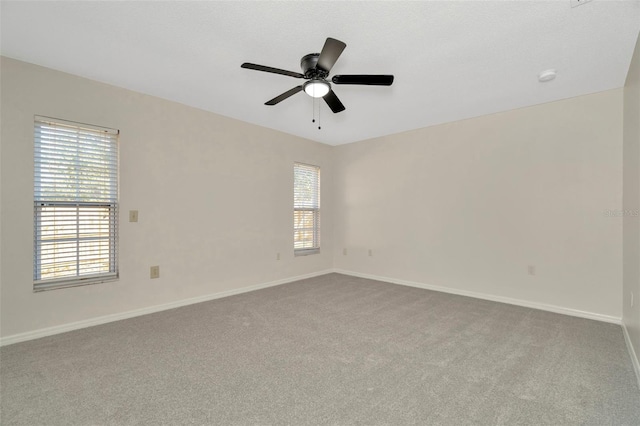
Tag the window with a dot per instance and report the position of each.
(306, 209)
(75, 204)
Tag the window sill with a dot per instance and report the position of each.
(306, 252)
(46, 285)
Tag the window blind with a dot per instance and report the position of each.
(306, 209)
(75, 204)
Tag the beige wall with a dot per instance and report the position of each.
(470, 204)
(214, 197)
(466, 205)
(631, 201)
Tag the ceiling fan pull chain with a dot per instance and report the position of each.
(319, 108)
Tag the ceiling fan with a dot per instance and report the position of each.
(315, 69)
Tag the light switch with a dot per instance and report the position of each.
(133, 215)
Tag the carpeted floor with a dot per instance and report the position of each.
(327, 350)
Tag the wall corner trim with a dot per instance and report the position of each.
(501, 299)
(63, 328)
(632, 353)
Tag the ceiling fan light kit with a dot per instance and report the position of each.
(316, 88)
(315, 69)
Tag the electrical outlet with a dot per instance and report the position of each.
(344, 251)
(576, 3)
(531, 270)
(133, 215)
(155, 272)
(278, 256)
(370, 252)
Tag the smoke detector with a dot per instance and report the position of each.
(546, 75)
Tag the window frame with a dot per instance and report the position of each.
(98, 214)
(314, 208)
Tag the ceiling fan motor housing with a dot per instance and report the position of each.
(308, 64)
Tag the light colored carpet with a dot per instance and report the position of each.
(327, 350)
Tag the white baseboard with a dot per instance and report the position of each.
(43, 332)
(63, 328)
(632, 353)
(518, 302)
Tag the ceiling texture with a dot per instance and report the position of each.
(451, 59)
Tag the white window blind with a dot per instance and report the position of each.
(306, 209)
(75, 204)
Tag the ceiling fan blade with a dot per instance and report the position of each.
(330, 53)
(284, 96)
(334, 103)
(271, 69)
(369, 80)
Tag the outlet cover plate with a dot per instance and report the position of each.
(154, 272)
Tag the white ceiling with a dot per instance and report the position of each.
(451, 60)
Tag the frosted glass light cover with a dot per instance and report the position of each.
(316, 89)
